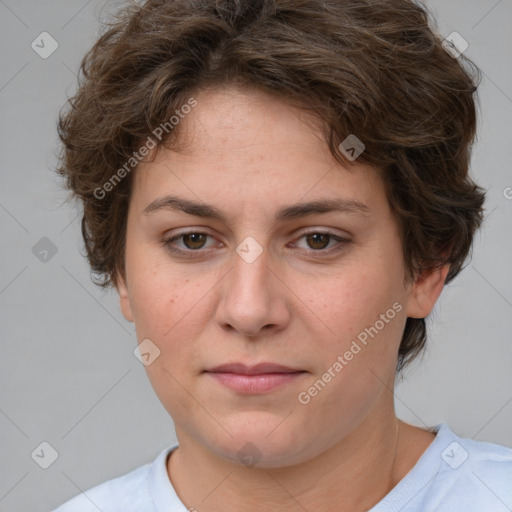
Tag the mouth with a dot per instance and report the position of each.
(257, 379)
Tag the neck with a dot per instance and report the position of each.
(353, 475)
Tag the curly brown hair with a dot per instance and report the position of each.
(371, 68)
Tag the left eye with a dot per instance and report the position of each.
(318, 241)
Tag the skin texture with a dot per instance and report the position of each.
(250, 154)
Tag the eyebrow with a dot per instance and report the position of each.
(286, 213)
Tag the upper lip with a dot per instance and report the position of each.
(257, 369)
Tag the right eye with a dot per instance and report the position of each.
(192, 242)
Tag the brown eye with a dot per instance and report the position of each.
(189, 244)
(318, 241)
(194, 240)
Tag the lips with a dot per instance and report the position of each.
(258, 379)
(258, 369)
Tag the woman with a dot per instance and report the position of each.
(279, 191)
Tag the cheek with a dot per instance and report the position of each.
(343, 305)
(162, 308)
(159, 295)
(358, 364)
(172, 309)
(167, 310)
(362, 312)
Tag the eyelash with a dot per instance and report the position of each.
(342, 242)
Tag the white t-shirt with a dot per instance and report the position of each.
(453, 474)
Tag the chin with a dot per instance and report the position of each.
(264, 442)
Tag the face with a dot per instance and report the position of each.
(250, 274)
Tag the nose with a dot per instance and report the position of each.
(254, 300)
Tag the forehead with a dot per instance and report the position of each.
(243, 147)
(248, 123)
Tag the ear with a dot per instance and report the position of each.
(425, 291)
(124, 298)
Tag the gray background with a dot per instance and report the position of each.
(68, 374)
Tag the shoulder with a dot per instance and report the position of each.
(455, 473)
(472, 456)
(471, 473)
(130, 492)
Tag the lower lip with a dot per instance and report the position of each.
(254, 384)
